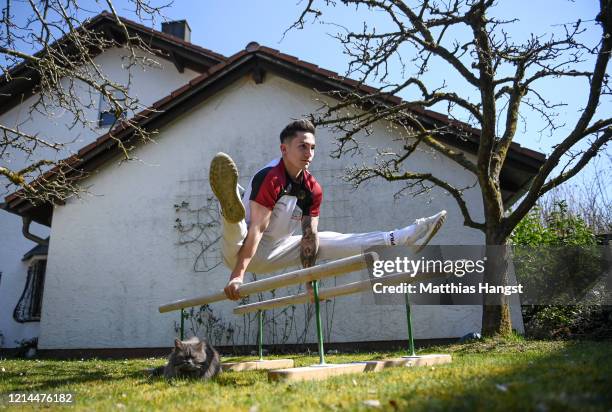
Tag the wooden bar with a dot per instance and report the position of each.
(326, 270)
(328, 293)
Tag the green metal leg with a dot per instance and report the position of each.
(315, 289)
(410, 335)
(182, 331)
(260, 315)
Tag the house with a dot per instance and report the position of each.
(148, 234)
(180, 61)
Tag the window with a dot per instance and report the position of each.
(106, 115)
(30, 304)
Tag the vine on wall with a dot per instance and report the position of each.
(199, 234)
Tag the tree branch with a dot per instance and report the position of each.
(430, 45)
(368, 173)
(578, 133)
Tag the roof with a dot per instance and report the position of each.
(182, 53)
(521, 163)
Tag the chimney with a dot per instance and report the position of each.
(177, 28)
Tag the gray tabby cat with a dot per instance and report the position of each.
(191, 358)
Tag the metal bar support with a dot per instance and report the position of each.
(315, 290)
(182, 331)
(410, 334)
(260, 315)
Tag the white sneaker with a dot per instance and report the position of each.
(223, 178)
(426, 228)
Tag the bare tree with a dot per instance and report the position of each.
(504, 76)
(47, 42)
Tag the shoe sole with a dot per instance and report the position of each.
(431, 234)
(223, 178)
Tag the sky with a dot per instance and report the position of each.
(228, 26)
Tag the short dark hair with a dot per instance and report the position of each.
(301, 125)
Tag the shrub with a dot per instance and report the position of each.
(538, 240)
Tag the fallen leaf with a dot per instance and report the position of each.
(502, 387)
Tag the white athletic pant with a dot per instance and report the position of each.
(274, 254)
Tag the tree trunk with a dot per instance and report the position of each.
(496, 309)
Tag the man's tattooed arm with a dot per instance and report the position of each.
(310, 241)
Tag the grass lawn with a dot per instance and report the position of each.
(489, 375)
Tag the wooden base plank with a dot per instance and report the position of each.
(429, 359)
(320, 372)
(407, 361)
(315, 372)
(258, 365)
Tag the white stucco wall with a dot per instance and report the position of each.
(147, 84)
(116, 256)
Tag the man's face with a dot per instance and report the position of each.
(299, 151)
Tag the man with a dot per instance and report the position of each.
(281, 197)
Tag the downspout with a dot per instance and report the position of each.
(26, 232)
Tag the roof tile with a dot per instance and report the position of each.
(87, 148)
(269, 50)
(307, 65)
(166, 99)
(287, 57)
(197, 80)
(329, 73)
(181, 90)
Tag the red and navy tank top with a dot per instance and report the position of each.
(272, 188)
